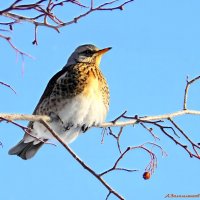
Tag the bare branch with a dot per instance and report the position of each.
(12, 117)
(150, 130)
(117, 138)
(105, 124)
(43, 13)
(8, 39)
(150, 118)
(119, 117)
(150, 167)
(184, 146)
(26, 130)
(85, 166)
(109, 193)
(2, 83)
(194, 146)
(154, 121)
(120, 7)
(188, 83)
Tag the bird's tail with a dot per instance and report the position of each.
(25, 150)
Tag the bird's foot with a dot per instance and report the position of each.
(84, 128)
(68, 126)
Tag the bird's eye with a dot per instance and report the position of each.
(88, 52)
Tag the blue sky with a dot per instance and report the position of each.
(155, 46)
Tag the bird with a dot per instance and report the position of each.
(76, 98)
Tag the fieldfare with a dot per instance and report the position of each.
(76, 98)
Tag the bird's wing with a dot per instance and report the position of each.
(68, 80)
(58, 77)
(50, 86)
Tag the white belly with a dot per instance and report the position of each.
(82, 110)
(86, 109)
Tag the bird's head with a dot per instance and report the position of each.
(87, 53)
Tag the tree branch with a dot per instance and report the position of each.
(156, 121)
(13, 117)
(188, 83)
(8, 39)
(85, 166)
(150, 118)
(43, 13)
(5, 84)
(133, 121)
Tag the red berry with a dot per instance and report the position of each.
(146, 175)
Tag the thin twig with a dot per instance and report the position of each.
(117, 162)
(188, 83)
(150, 167)
(117, 138)
(194, 146)
(150, 130)
(45, 9)
(162, 128)
(8, 39)
(108, 195)
(119, 117)
(2, 83)
(27, 131)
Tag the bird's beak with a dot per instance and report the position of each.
(102, 51)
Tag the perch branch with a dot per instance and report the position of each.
(154, 120)
(150, 118)
(105, 124)
(13, 117)
(129, 120)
